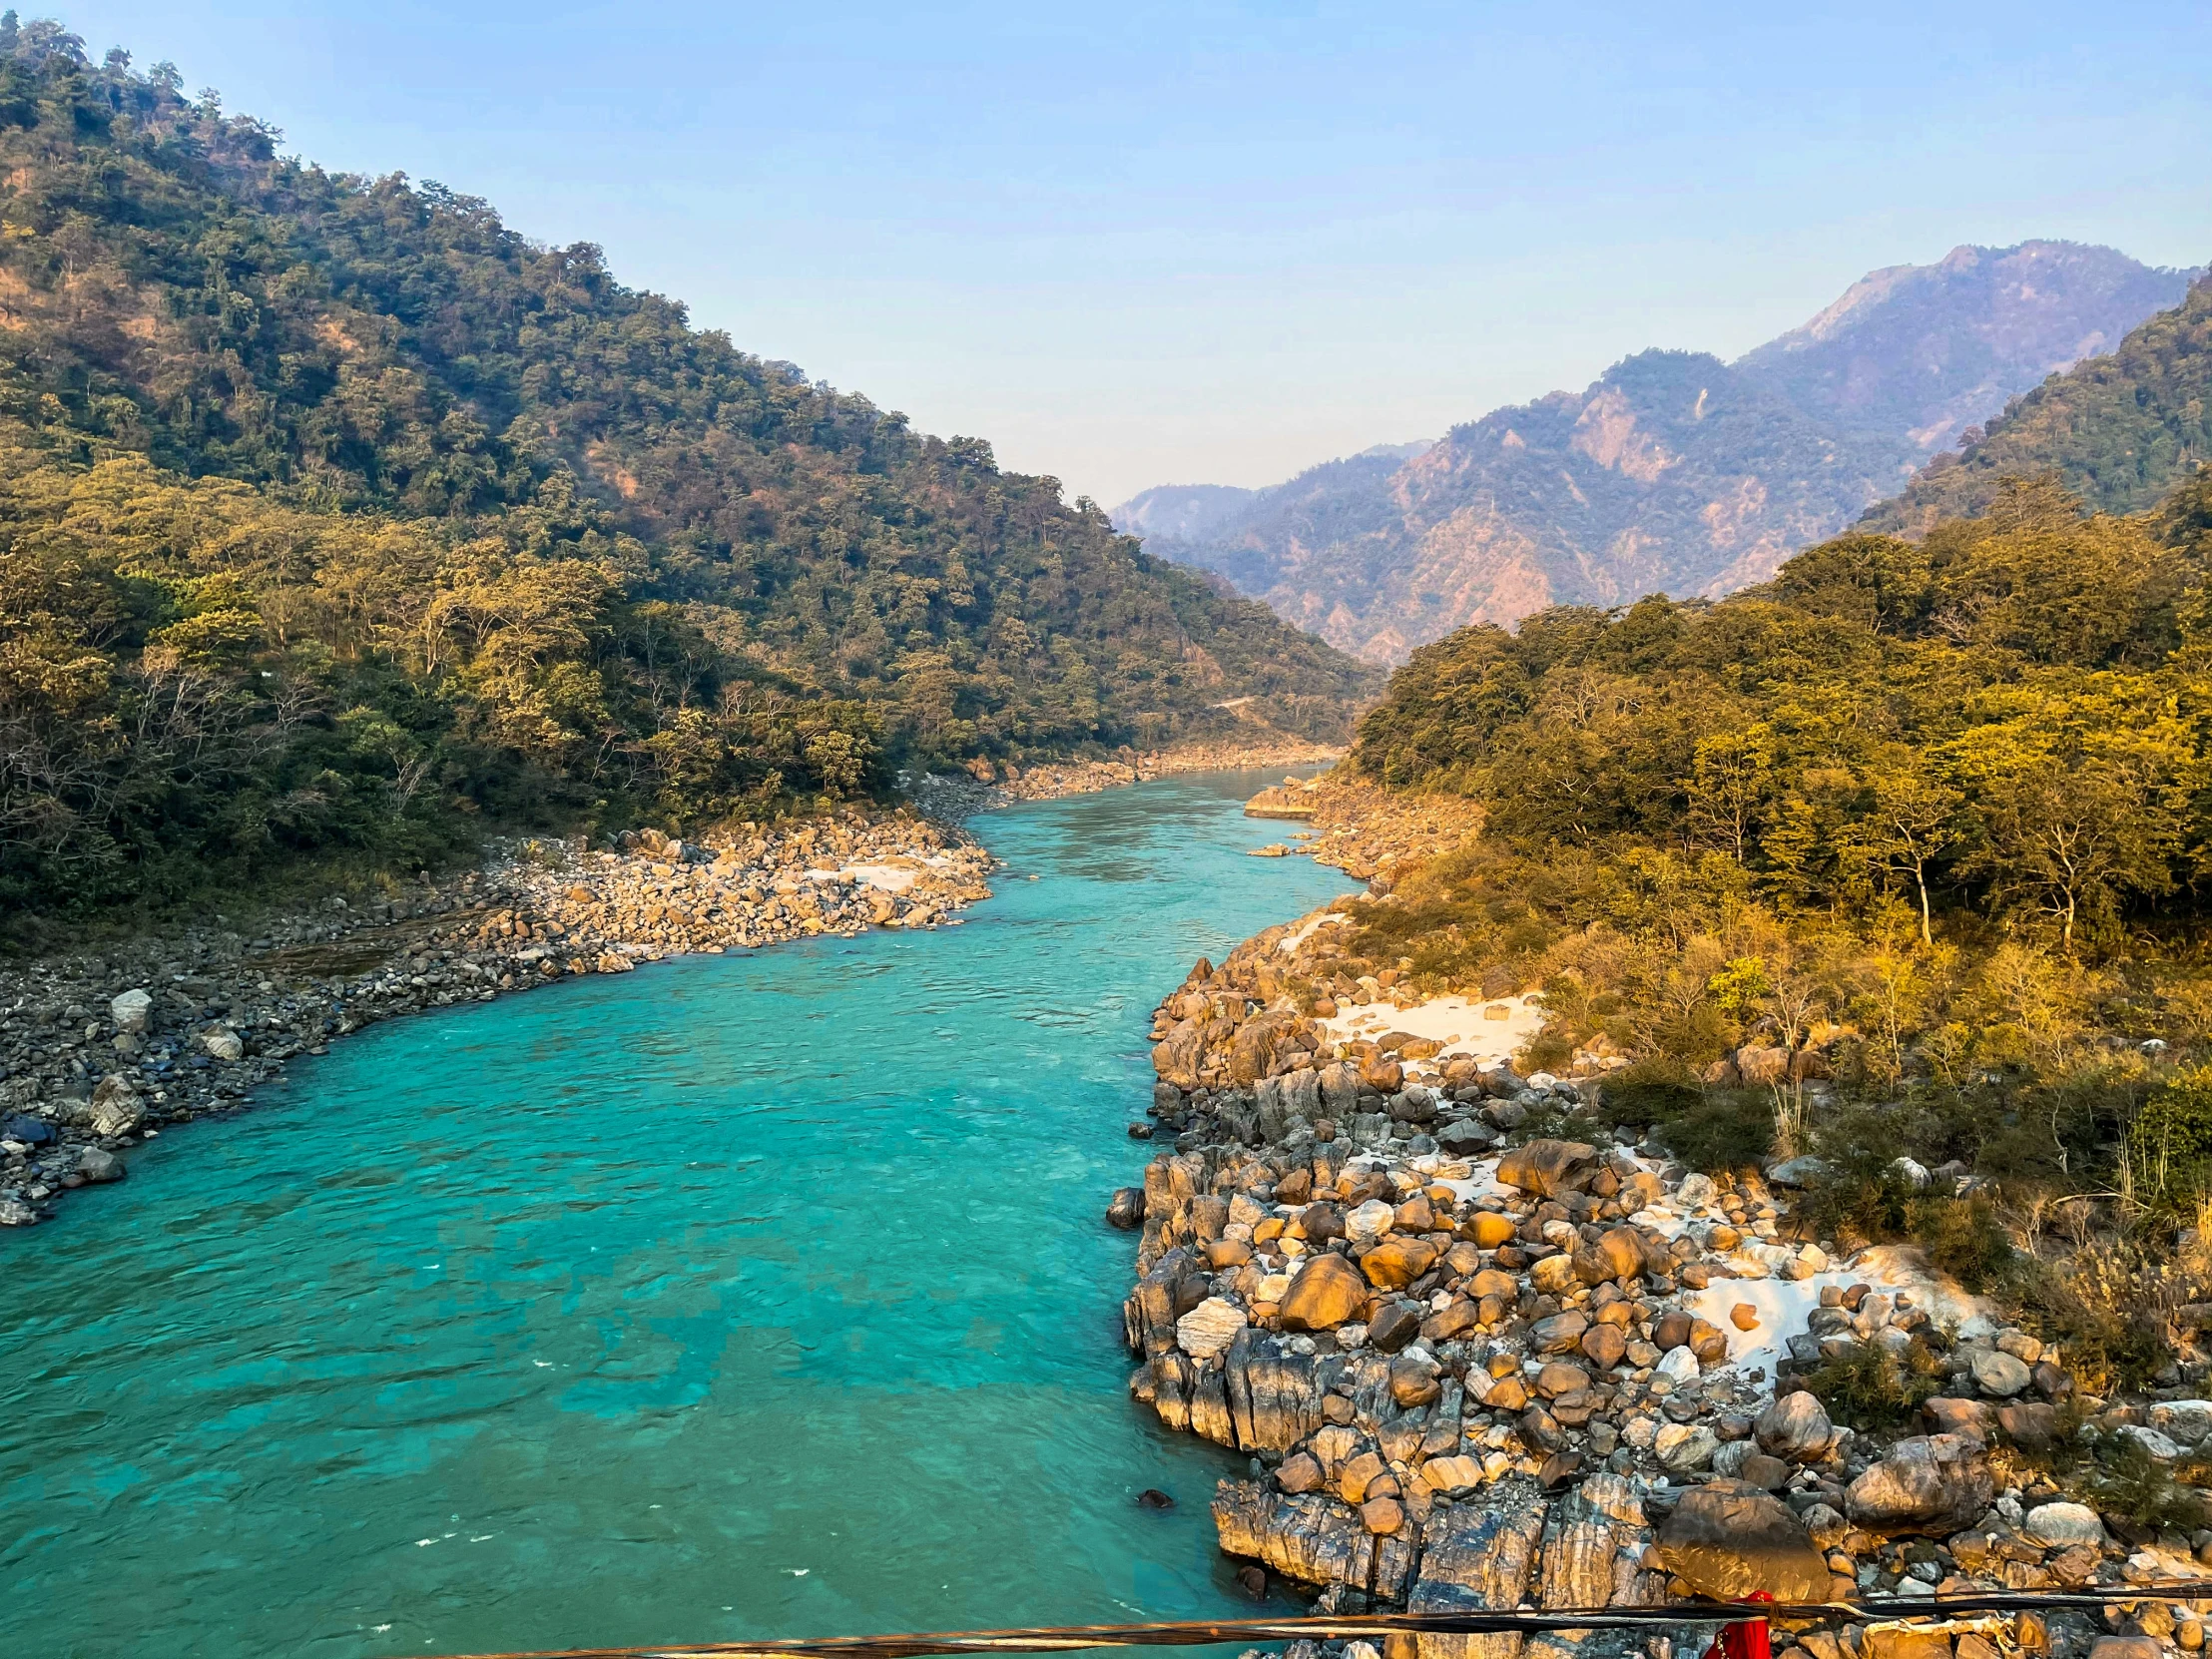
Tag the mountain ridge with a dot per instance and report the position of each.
(1673, 470)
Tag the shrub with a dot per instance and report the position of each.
(1724, 1130)
(2132, 1484)
(1647, 1093)
(2170, 1141)
(1870, 1387)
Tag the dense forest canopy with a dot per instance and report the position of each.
(337, 511)
(2007, 718)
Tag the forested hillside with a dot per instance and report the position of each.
(1674, 471)
(1897, 769)
(2119, 430)
(340, 514)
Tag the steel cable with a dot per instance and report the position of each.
(1470, 1622)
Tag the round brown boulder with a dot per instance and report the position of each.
(1382, 1515)
(1413, 1382)
(1488, 1229)
(1327, 1292)
(1604, 1345)
(1321, 1222)
(1396, 1262)
(1559, 1379)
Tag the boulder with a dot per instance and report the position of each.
(1604, 1345)
(1125, 1208)
(1766, 1473)
(1559, 1379)
(116, 1108)
(29, 1130)
(1560, 1334)
(1413, 1382)
(1622, 1249)
(1369, 1221)
(1455, 1319)
(1327, 1292)
(223, 1043)
(1932, 1483)
(1683, 1449)
(1397, 1324)
(1301, 1472)
(1382, 1515)
(15, 1213)
(1946, 1416)
(98, 1165)
(1465, 1137)
(2029, 1424)
(1678, 1365)
(1398, 1262)
(1452, 1476)
(2059, 1525)
(1795, 1429)
(1489, 1228)
(1761, 1066)
(1998, 1373)
(1728, 1540)
(133, 1012)
(1321, 1222)
(1546, 1168)
(1210, 1327)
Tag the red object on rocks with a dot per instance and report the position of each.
(1745, 1638)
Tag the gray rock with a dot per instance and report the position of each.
(2157, 1444)
(2058, 1525)
(224, 1044)
(1479, 1558)
(1795, 1429)
(96, 1165)
(1798, 1171)
(1932, 1483)
(15, 1213)
(1997, 1374)
(1684, 1449)
(133, 1012)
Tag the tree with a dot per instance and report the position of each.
(1911, 823)
(2072, 836)
(1731, 782)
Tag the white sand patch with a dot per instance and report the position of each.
(1893, 1268)
(1784, 1305)
(1455, 1021)
(1290, 942)
(883, 877)
(1481, 1183)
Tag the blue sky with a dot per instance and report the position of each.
(1136, 245)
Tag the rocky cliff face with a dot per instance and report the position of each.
(1675, 471)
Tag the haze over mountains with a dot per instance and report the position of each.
(1674, 471)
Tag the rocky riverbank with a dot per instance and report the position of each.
(102, 1052)
(1484, 1350)
(986, 784)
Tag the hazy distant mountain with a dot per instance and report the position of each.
(1675, 471)
(2119, 430)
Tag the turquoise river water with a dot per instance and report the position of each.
(756, 1296)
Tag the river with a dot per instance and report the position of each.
(742, 1296)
